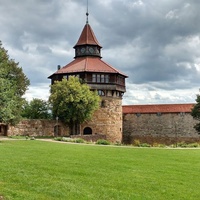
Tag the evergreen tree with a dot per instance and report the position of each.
(13, 85)
(73, 102)
(196, 113)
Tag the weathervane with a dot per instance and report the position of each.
(87, 13)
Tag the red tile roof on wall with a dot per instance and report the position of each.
(159, 108)
(87, 37)
(88, 64)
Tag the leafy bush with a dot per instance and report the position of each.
(159, 145)
(145, 145)
(193, 145)
(186, 145)
(103, 142)
(118, 143)
(58, 138)
(79, 140)
(182, 144)
(67, 139)
(136, 143)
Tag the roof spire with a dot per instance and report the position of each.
(87, 13)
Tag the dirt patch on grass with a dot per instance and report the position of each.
(1, 197)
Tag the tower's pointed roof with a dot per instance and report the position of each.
(87, 37)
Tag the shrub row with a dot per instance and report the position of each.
(80, 140)
(137, 143)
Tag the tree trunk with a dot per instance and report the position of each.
(77, 128)
(74, 128)
(71, 128)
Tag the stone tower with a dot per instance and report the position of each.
(108, 81)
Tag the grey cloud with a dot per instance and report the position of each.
(156, 43)
(43, 49)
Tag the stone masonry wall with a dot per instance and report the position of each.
(107, 120)
(167, 128)
(106, 123)
(38, 128)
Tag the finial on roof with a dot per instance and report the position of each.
(87, 14)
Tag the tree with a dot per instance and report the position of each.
(13, 85)
(196, 113)
(73, 102)
(36, 109)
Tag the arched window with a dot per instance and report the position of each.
(87, 131)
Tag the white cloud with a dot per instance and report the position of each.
(40, 91)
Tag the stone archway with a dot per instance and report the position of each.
(3, 129)
(87, 131)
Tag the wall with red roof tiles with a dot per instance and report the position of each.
(159, 127)
(151, 124)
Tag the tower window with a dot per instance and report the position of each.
(94, 78)
(100, 78)
(159, 114)
(120, 80)
(107, 78)
(101, 93)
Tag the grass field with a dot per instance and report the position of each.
(48, 171)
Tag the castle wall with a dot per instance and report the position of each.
(107, 120)
(38, 128)
(168, 128)
(107, 123)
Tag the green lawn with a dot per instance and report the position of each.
(44, 170)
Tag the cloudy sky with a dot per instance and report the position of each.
(156, 43)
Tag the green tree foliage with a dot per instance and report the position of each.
(36, 109)
(13, 85)
(73, 102)
(196, 113)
